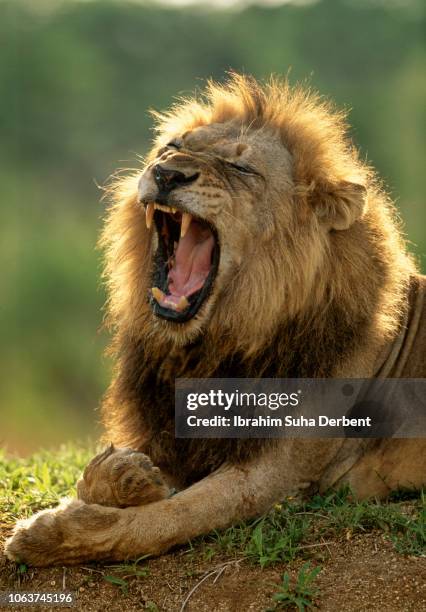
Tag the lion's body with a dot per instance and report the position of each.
(145, 419)
(343, 326)
(314, 281)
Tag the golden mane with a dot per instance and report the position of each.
(312, 128)
(323, 159)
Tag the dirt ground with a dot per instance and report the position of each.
(360, 574)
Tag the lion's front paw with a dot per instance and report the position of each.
(121, 478)
(71, 533)
(33, 539)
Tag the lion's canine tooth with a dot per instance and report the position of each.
(182, 304)
(157, 294)
(149, 214)
(186, 222)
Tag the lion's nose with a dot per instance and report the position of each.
(167, 180)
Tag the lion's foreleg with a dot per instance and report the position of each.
(230, 494)
(78, 532)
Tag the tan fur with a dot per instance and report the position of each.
(313, 281)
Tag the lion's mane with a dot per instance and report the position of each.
(353, 305)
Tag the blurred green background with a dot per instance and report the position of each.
(77, 79)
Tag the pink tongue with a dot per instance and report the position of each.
(192, 261)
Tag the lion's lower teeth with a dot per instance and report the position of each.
(161, 298)
(182, 304)
(158, 294)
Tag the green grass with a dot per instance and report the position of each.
(301, 592)
(301, 529)
(39, 481)
(124, 571)
(291, 530)
(294, 530)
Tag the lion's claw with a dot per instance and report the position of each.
(121, 478)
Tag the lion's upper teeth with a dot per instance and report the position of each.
(166, 209)
(149, 214)
(151, 208)
(186, 222)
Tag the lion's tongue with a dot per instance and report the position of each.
(192, 263)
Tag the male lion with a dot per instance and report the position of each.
(253, 243)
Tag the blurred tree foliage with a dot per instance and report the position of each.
(77, 79)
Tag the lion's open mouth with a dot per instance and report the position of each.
(185, 263)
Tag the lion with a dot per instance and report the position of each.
(253, 242)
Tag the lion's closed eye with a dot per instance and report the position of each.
(244, 169)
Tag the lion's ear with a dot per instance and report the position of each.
(339, 205)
